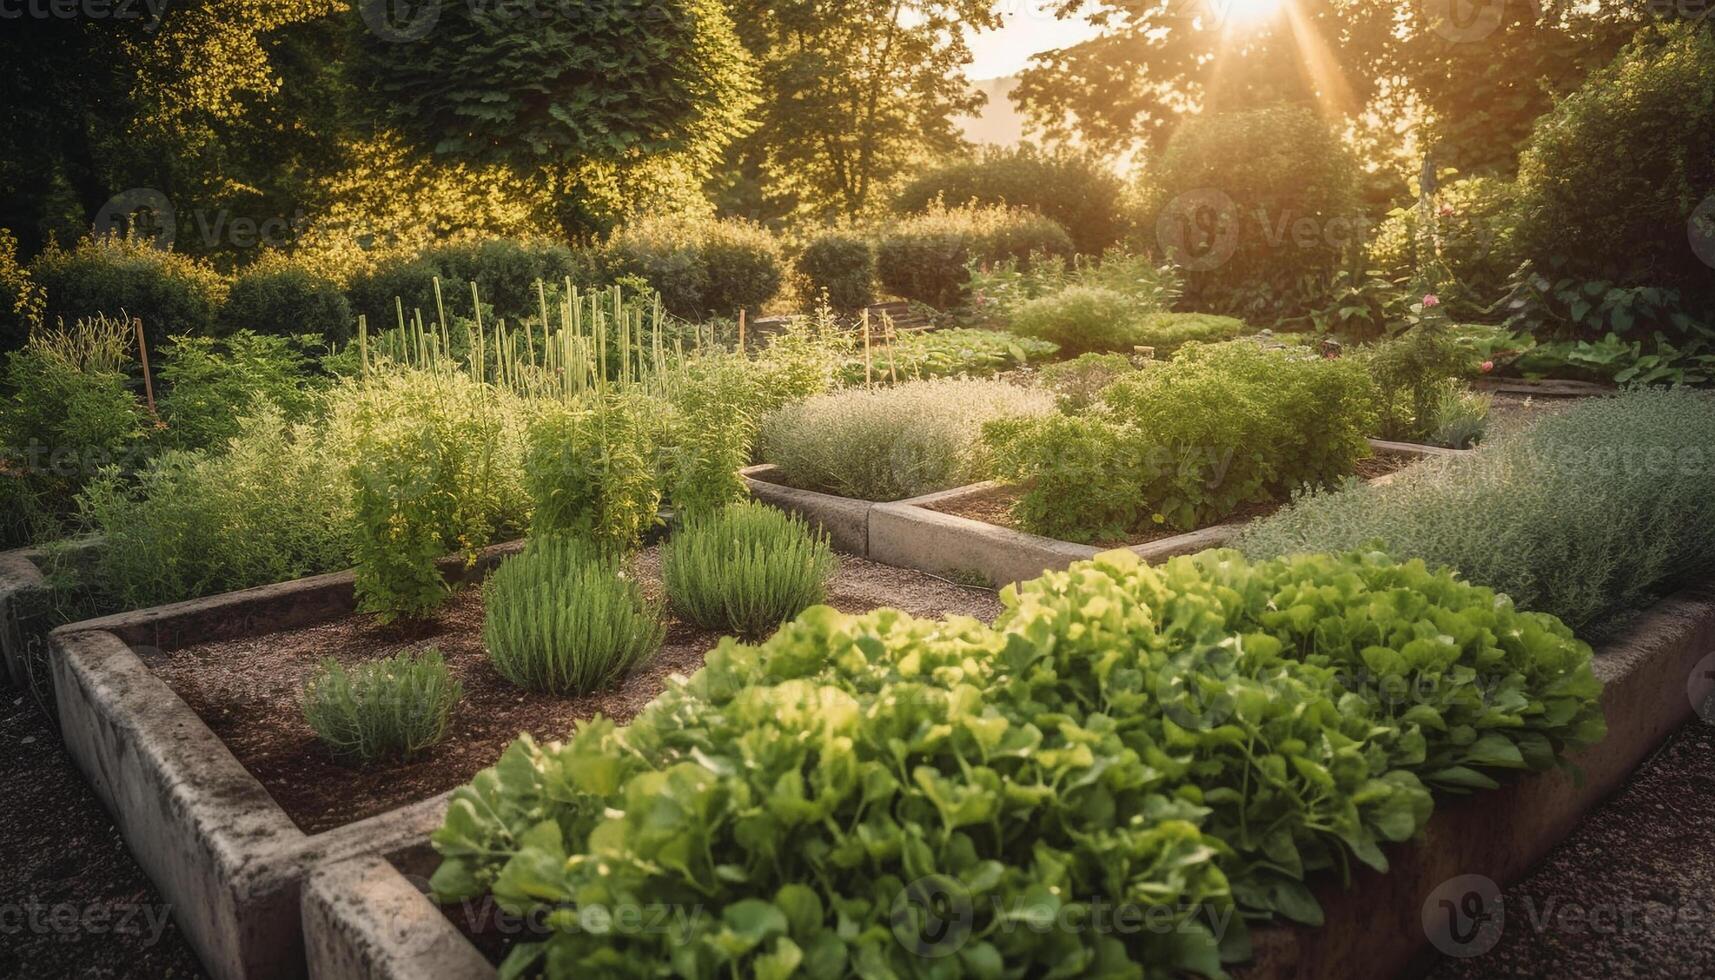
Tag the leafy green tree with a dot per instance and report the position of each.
(545, 90)
(854, 92)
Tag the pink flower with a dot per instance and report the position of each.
(1430, 300)
(1488, 366)
(1446, 210)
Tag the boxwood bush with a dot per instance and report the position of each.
(112, 275)
(1186, 443)
(927, 257)
(838, 265)
(1614, 172)
(1219, 731)
(1077, 190)
(701, 267)
(276, 296)
(505, 271)
(892, 443)
(1585, 515)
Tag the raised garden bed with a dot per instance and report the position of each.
(185, 719)
(26, 614)
(965, 532)
(370, 918)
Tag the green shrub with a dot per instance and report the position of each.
(435, 462)
(1193, 700)
(274, 505)
(745, 569)
(1003, 288)
(1469, 254)
(1195, 439)
(700, 267)
(211, 384)
(962, 351)
(590, 471)
(839, 265)
(69, 414)
(1167, 332)
(712, 432)
(394, 708)
(111, 275)
(927, 257)
(505, 271)
(562, 619)
(1413, 372)
(1081, 319)
(1614, 173)
(1461, 417)
(21, 300)
(1585, 515)
(1082, 474)
(1252, 202)
(276, 296)
(1079, 382)
(1078, 191)
(892, 443)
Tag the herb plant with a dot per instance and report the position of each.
(591, 471)
(564, 619)
(1586, 514)
(392, 709)
(892, 443)
(745, 569)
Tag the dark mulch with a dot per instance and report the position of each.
(1631, 893)
(249, 691)
(72, 902)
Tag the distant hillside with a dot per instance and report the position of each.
(999, 122)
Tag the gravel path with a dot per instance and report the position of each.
(72, 902)
(1631, 893)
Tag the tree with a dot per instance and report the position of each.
(853, 92)
(1468, 79)
(550, 91)
(224, 107)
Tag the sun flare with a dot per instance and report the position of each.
(1246, 13)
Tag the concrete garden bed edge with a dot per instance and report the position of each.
(223, 853)
(366, 920)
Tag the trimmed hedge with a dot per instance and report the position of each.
(276, 296)
(840, 265)
(927, 257)
(700, 267)
(170, 292)
(1076, 190)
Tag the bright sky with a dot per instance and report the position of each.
(1030, 27)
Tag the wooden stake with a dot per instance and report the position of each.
(143, 354)
(741, 330)
(868, 380)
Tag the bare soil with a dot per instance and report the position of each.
(248, 691)
(994, 506)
